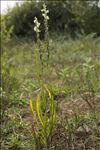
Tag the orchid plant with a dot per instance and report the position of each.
(43, 109)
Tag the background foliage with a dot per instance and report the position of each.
(69, 17)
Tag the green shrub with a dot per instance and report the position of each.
(66, 17)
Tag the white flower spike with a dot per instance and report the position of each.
(45, 12)
(37, 25)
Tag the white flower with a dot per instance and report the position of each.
(42, 10)
(35, 20)
(45, 16)
(37, 24)
(36, 29)
(47, 11)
